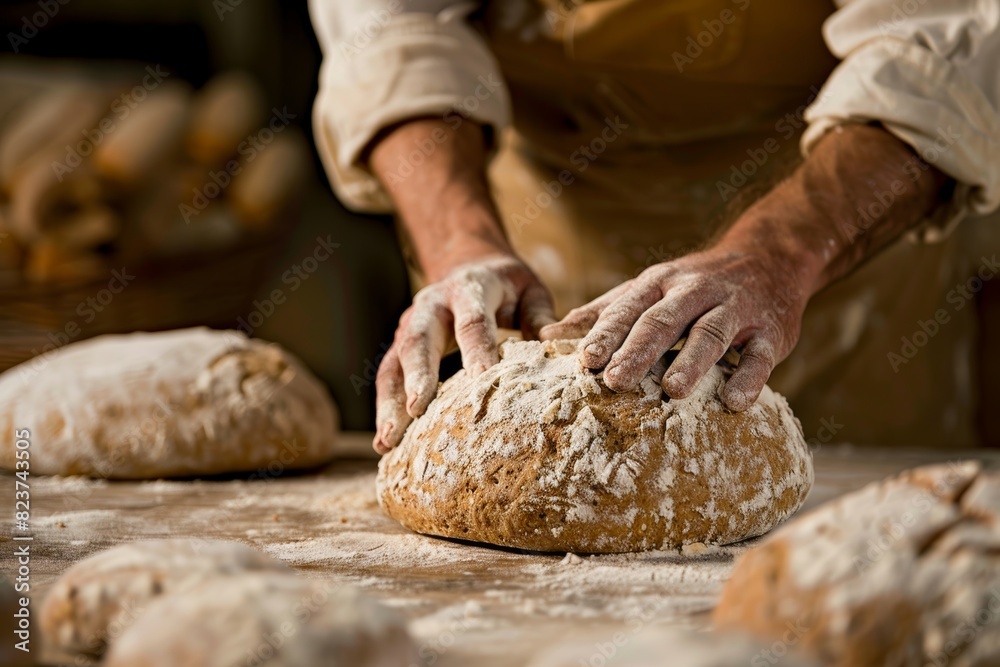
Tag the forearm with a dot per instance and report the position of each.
(443, 202)
(858, 191)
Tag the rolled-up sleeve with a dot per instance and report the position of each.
(927, 70)
(385, 61)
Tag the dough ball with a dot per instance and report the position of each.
(147, 405)
(536, 453)
(10, 605)
(903, 572)
(266, 620)
(658, 646)
(95, 600)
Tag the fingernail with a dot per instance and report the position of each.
(384, 432)
(411, 399)
(612, 372)
(738, 399)
(677, 382)
(594, 350)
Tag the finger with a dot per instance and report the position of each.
(421, 345)
(708, 341)
(579, 321)
(391, 418)
(475, 307)
(653, 334)
(535, 311)
(615, 323)
(756, 364)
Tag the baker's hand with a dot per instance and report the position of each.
(464, 308)
(719, 298)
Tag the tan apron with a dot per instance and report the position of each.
(643, 126)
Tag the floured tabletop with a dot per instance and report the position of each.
(468, 604)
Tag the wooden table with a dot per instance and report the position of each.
(468, 604)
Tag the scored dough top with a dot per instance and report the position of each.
(537, 453)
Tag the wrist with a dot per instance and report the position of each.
(444, 205)
(858, 191)
(461, 243)
(772, 231)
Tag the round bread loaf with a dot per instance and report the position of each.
(95, 600)
(176, 403)
(903, 572)
(536, 453)
(266, 620)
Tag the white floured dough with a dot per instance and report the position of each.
(98, 598)
(266, 620)
(186, 402)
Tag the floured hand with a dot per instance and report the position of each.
(465, 307)
(719, 298)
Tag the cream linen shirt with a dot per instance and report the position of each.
(927, 70)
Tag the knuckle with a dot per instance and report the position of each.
(388, 369)
(579, 314)
(762, 355)
(471, 323)
(658, 322)
(711, 332)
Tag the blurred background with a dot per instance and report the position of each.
(157, 171)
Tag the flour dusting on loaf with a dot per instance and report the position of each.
(99, 597)
(186, 402)
(538, 453)
(266, 620)
(905, 571)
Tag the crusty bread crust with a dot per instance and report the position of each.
(536, 453)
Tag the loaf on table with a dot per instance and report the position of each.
(903, 572)
(175, 403)
(98, 598)
(537, 453)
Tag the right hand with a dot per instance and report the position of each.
(465, 307)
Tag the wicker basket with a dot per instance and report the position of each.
(211, 288)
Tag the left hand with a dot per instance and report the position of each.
(720, 298)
